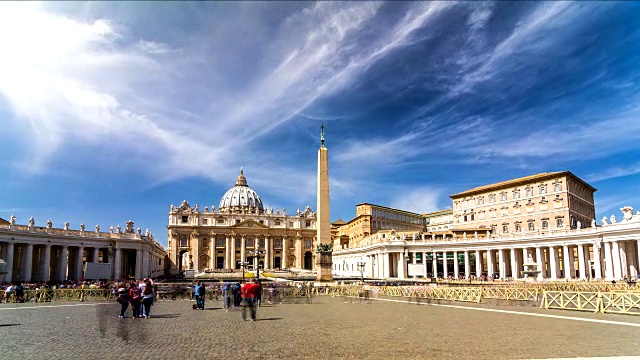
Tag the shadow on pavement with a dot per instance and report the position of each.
(268, 319)
(164, 316)
(5, 325)
(219, 308)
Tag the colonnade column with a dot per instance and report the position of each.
(139, 262)
(501, 265)
(565, 260)
(490, 266)
(456, 265)
(46, 263)
(624, 268)
(633, 261)
(385, 265)
(638, 255)
(478, 264)
(117, 264)
(402, 264)
(539, 262)
(552, 263)
(96, 255)
(424, 264)
(514, 264)
(596, 261)
(28, 263)
(467, 265)
(608, 263)
(444, 264)
(63, 263)
(434, 267)
(615, 255)
(79, 263)
(9, 275)
(581, 265)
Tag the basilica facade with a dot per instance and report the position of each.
(241, 232)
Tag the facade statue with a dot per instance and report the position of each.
(12, 220)
(66, 225)
(578, 224)
(172, 208)
(82, 227)
(49, 224)
(464, 235)
(31, 221)
(129, 227)
(298, 211)
(97, 228)
(475, 235)
(147, 233)
(284, 212)
(197, 208)
(119, 229)
(190, 265)
(593, 223)
(206, 209)
(139, 231)
(627, 213)
(613, 219)
(111, 229)
(605, 221)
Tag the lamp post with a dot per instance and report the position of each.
(361, 266)
(243, 264)
(256, 254)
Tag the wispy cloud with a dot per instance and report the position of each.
(418, 200)
(614, 172)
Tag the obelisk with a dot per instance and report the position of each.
(323, 226)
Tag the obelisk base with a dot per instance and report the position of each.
(324, 266)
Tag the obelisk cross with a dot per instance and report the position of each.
(322, 135)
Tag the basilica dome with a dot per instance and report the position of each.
(241, 197)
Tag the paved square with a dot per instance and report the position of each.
(327, 328)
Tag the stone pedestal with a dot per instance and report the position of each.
(324, 266)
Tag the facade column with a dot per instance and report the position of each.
(581, 265)
(514, 264)
(565, 260)
(79, 263)
(633, 261)
(212, 252)
(553, 260)
(267, 248)
(615, 256)
(445, 265)
(402, 265)
(64, 261)
(596, 261)
(501, 265)
(539, 262)
(490, 266)
(117, 266)
(9, 260)
(28, 264)
(46, 263)
(138, 272)
(232, 264)
(478, 264)
(385, 265)
(243, 251)
(146, 268)
(299, 253)
(227, 254)
(434, 265)
(467, 265)
(96, 254)
(284, 262)
(638, 255)
(456, 265)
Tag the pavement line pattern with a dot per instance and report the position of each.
(51, 306)
(610, 322)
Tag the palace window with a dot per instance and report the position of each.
(205, 243)
(261, 243)
(559, 222)
(503, 196)
(492, 213)
(494, 228)
(185, 219)
(516, 194)
(308, 223)
(557, 186)
(481, 215)
(504, 211)
(529, 191)
(220, 221)
(505, 229)
(545, 224)
(220, 242)
(516, 208)
(492, 198)
(290, 223)
(518, 228)
(204, 221)
(481, 200)
(184, 241)
(249, 242)
(307, 244)
(276, 223)
(276, 243)
(543, 189)
(531, 225)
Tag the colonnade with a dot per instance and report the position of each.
(608, 260)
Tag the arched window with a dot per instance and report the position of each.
(307, 244)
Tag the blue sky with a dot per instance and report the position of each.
(114, 111)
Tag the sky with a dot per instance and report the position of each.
(115, 111)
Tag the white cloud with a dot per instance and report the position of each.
(416, 199)
(614, 172)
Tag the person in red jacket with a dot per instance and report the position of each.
(249, 294)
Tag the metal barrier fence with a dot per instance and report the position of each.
(616, 302)
(47, 295)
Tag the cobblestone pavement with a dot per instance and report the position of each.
(328, 328)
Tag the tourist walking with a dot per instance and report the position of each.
(147, 298)
(237, 296)
(226, 295)
(199, 294)
(249, 295)
(123, 299)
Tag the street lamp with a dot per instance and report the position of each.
(361, 266)
(256, 254)
(243, 264)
